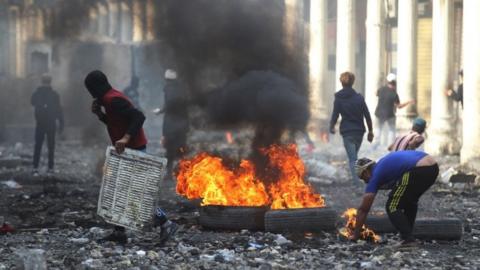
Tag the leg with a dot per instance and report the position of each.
(39, 136)
(411, 213)
(351, 149)
(381, 131)
(395, 208)
(391, 131)
(51, 147)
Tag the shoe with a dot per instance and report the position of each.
(116, 236)
(168, 231)
(35, 173)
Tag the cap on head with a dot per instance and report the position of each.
(362, 164)
(391, 77)
(46, 79)
(170, 74)
(419, 124)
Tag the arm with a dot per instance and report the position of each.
(368, 118)
(362, 213)
(97, 110)
(135, 117)
(415, 143)
(59, 113)
(334, 118)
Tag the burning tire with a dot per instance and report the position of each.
(439, 229)
(301, 220)
(232, 217)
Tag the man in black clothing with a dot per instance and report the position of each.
(48, 111)
(353, 109)
(175, 121)
(457, 95)
(388, 102)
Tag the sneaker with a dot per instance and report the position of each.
(116, 236)
(35, 173)
(168, 231)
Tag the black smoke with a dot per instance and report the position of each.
(226, 37)
(265, 99)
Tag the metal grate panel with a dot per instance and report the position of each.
(130, 188)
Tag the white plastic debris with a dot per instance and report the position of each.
(12, 184)
(79, 240)
(446, 175)
(281, 240)
(33, 259)
(141, 253)
(228, 255)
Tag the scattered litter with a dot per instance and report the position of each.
(12, 184)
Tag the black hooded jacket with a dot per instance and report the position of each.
(352, 107)
(97, 84)
(47, 107)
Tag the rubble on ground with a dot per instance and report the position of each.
(54, 217)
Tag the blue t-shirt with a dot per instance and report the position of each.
(391, 167)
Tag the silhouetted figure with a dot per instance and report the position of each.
(175, 121)
(132, 91)
(48, 111)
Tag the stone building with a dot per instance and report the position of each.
(425, 42)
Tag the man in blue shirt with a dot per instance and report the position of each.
(411, 173)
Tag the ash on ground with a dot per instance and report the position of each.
(56, 214)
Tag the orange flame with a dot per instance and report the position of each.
(347, 231)
(206, 177)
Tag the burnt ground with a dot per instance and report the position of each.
(57, 214)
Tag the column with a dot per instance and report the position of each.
(442, 127)
(320, 96)
(407, 61)
(150, 12)
(293, 26)
(471, 83)
(346, 42)
(138, 13)
(93, 20)
(125, 22)
(375, 51)
(102, 19)
(113, 19)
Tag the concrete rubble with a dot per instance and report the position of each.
(55, 218)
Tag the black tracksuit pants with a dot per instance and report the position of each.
(42, 131)
(402, 201)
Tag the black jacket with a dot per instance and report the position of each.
(175, 120)
(46, 103)
(352, 107)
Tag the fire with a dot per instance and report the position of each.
(206, 177)
(348, 230)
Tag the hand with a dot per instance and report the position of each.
(120, 144)
(449, 92)
(96, 107)
(412, 101)
(370, 136)
(353, 238)
(332, 130)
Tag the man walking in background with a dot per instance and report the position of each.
(388, 103)
(124, 124)
(175, 121)
(413, 139)
(48, 111)
(353, 109)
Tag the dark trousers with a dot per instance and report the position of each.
(175, 146)
(402, 203)
(40, 132)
